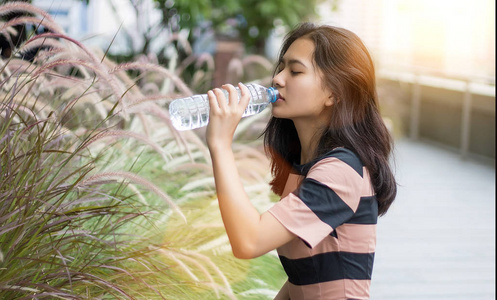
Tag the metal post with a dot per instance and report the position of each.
(466, 121)
(415, 109)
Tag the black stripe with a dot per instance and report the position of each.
(348, 157)
(328, 267)
(343, 154)
(367, 212)
(324, 202)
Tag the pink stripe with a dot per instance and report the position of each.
(357, 238)
(296, 249)
(357, 289)
(292, 213)
(341, 178)
(353, 238)
(331, 290)
(367, 188)
(292, 183)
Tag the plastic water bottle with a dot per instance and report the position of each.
(193, 112)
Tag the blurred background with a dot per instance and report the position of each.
(435, 59)
(435, 63)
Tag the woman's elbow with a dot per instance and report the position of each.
(245, 252)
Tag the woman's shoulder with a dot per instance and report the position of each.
(343, 154)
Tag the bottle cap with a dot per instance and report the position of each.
(273, 94)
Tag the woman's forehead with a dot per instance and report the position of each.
(300, 51)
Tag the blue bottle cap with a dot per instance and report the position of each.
(273, 94)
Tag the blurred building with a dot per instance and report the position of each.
(102, 22)
(454, 37)
(71, 15)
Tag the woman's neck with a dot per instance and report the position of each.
(309, 133)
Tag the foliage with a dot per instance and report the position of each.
(249, 20)
(100, 197)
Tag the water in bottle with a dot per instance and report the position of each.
(193, 112)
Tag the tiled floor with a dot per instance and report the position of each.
(438, 239)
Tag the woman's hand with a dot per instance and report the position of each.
(225, 115)
(250, 233)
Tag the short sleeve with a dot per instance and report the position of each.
(325, 199)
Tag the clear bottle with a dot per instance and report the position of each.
(193, 112)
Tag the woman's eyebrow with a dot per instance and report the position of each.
(292, 62)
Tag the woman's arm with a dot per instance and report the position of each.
(250, 233)
(283, 294)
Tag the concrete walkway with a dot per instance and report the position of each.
(438, 239)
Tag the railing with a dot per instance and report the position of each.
(468, 85)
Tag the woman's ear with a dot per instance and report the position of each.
(330, 101)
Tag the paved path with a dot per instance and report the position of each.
(438, 239)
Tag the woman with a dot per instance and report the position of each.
(329, 151)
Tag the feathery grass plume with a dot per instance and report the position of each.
(90, 62)
(202, 182)
(257, 59)
(119, 175)
(204, 271)
(206, 259)
(20, 6)
(150, 88)
(192, 137)
(49, 35)
(180, 160)
(8, 32)
(155, 110)
(16, 67)
(131, 85)
(184, 257)
(145, 123)
(46, 68)
(36, 43)
(192, 166)
(30, 20)
(138, 193)
(226, 289)
(235, 70)
(81, 95)
(150, 67)
(126, 134)
(203, 59)
(207, 59)
(247, 123)
(37, 106)
(135, 106)
(185, 63)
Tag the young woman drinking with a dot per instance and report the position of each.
(329, 151)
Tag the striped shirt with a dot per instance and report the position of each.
(332, 209)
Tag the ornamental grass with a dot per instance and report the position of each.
(100, 197)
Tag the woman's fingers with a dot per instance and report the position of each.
(214, 106)
(220, 103)
(233, 95)
(245, 95)
(221, 98)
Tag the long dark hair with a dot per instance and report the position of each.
(355, 121)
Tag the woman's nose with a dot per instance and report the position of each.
(278, 80)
